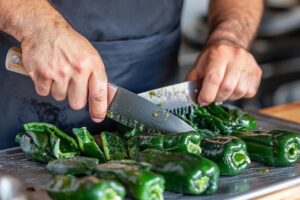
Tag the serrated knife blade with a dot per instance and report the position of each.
(125, 107)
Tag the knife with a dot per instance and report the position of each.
(125, 107)
(177, 99)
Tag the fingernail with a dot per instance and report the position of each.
(97, 120)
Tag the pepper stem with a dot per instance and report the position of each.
(201, 184)
(240, 157)
(194, 148)
(110, 194)
(156, 193)
(293, 150)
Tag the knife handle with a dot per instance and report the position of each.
(13, 62)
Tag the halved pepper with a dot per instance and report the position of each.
(88, 145)
(274, 148)
(61, 145)
(76, 166)
(229, 152)
(183, 172)
(141, 183)
(35, 145)
(113, 146)
(183, 142)
(86, 188)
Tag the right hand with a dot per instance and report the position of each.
(63, 62)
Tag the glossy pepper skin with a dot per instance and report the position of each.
(113, 146)
(183, 172)
(86, 188)
(274, 148)
(76, 166)
(35, 145)
(61, 145)
(229, 152)
(138, 180)
(184, 142)
(88, 145)
(221, 119)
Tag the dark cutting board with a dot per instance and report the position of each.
(255, 181)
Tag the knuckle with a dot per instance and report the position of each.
(214, 78)
(63, 71)
(239, 91)
(44, 73)
(226, 88)
(99, 96)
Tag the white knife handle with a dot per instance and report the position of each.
(14, 63)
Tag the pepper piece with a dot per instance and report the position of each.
(34, 146)
(139, 181)
(229, 152)
(86, 188)
(183, 142)
(61, 145)
(221, 119)
(113, 146)
(76, 166)
(274, 148)
(183, 172)
(88, 145)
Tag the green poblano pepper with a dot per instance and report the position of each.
(229, 152)
(183, 172)
(139, 181)
(88, 145)
(61, 145)
(113, 146)
(184, 142)
(221, 119)
(76, 166)
(274, 148)
(35, 146)
(86, 188)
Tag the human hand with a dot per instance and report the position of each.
(229, 72)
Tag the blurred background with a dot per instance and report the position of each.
(276, 49)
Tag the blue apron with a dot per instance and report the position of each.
(138, 41)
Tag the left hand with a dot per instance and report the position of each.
(229, 72)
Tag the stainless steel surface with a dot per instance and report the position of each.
(131, 110)
(11, 189)
(255, 181)
(173, 97)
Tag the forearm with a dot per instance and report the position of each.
(26, 19)
(233, 21)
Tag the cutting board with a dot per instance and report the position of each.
(256, 181)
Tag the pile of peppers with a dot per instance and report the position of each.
(130, 163)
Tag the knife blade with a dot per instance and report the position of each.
(175, 98)
(125, 107)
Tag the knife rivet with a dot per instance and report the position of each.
(15, 59)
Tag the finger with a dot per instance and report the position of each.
(59, 89)
(42, 83)
(242, 87)
(252, 90)
(97, 96)
(77, 93)
(229, 83)
(212, 79)
(194, 74)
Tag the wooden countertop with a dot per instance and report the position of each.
(289, 112)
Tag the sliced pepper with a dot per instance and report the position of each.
(61, 145)
(229, 152)
(183, 142)
(88, 145)
(139, 181)
(113, 146)
(76, 166)
(274, 148)
(34, 149)
(220, 119)
(183, 172)
(86, 188)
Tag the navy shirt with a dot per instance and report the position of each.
(138, 41)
